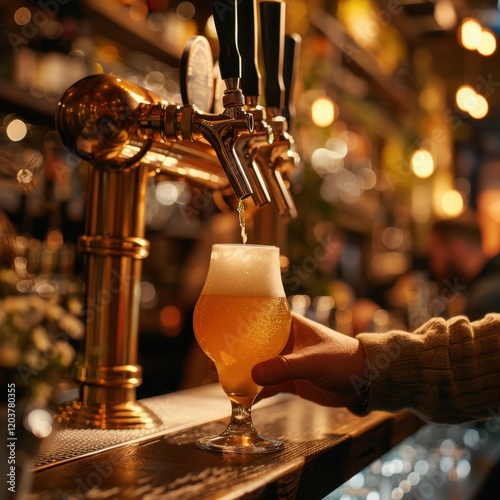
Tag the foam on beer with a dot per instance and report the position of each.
(251, 270)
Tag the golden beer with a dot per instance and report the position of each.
(241, 318)
(239, 332)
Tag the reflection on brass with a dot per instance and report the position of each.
(113, 123)
(127, 133)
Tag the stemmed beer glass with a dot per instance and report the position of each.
(241, 318)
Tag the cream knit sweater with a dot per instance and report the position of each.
(446, 371)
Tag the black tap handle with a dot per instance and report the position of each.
(272, 22)
(247, 44)
(224, 12)
(290, 69)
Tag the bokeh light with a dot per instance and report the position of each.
(22, 16)
(16, 130)
(323, 112)
(452, 203)
(487, 43)
(422, 163)
(480, 107)
(445, 15)
(185, 10)
(470, 33)
(463, 96)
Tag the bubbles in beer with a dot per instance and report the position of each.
(241, 217)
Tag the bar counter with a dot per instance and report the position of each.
(323, 448)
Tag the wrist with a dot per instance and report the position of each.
(360, 381)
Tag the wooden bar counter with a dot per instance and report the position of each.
(323, 448)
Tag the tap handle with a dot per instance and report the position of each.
(290, 70)
(224, 12)
(272, 21)
(248, 47)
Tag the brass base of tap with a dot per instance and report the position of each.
(106, 408)
(127, 415)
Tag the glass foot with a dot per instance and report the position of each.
(244, 444)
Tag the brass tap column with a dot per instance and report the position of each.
(114, 247)
(127, 133)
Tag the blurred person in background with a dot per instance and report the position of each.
(469, 281)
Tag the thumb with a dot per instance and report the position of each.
(274, 371)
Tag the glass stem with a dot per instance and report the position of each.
(241, 419)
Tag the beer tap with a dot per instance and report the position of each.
(235, 70)
(248, 145)
(278, 159)
(126, 133)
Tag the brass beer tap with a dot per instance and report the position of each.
(127, 133)
(280, 157)
(269, 149)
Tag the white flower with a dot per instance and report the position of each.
(15, 304)
(75, 306)
(35, 361)
(54, 312)
(72, 326)
(40, 338)
(37, 303)
(66, 352)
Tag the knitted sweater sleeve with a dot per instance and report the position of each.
(446, 371)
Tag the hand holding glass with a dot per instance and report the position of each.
(241, 318)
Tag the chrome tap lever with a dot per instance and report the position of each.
(222, 133)
(272, 16)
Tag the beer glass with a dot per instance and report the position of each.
(241, 318)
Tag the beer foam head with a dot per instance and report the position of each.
(249, 270)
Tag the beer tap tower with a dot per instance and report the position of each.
(126, 133)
